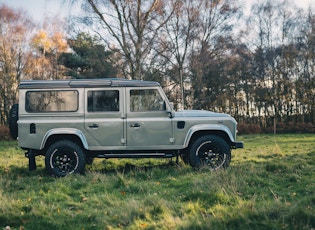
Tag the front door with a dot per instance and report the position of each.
(148, 125)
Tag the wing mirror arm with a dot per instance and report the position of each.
(171, 110)
(171, 113)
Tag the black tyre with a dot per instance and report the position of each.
(13, 118)
(210, 151)
(185, 156)
(89, 160)
(63, 158)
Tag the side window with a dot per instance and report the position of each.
(103, 100)
(51, 101)
(146, 100)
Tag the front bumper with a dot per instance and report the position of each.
(238, 145)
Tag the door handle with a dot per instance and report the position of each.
(135, 125)
(94, 126)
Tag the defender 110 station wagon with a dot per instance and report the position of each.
(71, 122)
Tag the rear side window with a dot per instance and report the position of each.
(51, 101)
(103, 101)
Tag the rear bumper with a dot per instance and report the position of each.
(238, 145)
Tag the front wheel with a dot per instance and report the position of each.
(210, 151)
(63, 158)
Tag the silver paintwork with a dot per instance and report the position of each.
(122, 130)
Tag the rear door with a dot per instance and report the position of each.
(104, 119)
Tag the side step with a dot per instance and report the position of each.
(136, 155)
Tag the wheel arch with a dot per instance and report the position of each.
(73, 135)
(197, 131)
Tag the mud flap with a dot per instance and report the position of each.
(177, 157)
(31, 160)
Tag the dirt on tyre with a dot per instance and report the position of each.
(210, 151)
(13, 119)
(63, 158)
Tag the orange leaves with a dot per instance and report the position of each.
(42, 63)
(41, 41)
(14, 23)
(55, 43)
(59, 42)
(143, 225)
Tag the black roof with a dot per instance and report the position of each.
(85, 83)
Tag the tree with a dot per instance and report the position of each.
(180, 32)
(207, 62)
(305, 69)
(279, 49)
(90, 59)
(14, 32)
(47, 49)
(133, 25)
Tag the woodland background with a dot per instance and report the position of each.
(257, 66)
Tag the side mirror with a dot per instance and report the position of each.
(172, 114)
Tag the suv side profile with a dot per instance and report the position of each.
(71, 122)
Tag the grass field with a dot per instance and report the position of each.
(270, 184)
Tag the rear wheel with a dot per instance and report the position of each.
(210, 151)
(63, 158)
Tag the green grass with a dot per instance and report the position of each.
(270, 184)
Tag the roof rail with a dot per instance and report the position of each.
(85, 83)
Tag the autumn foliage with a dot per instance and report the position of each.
(4, 133)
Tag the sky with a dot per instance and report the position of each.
(38, 9)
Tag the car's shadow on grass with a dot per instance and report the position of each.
(100, 166)
(130, 166)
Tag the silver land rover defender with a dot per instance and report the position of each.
(71, 122)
